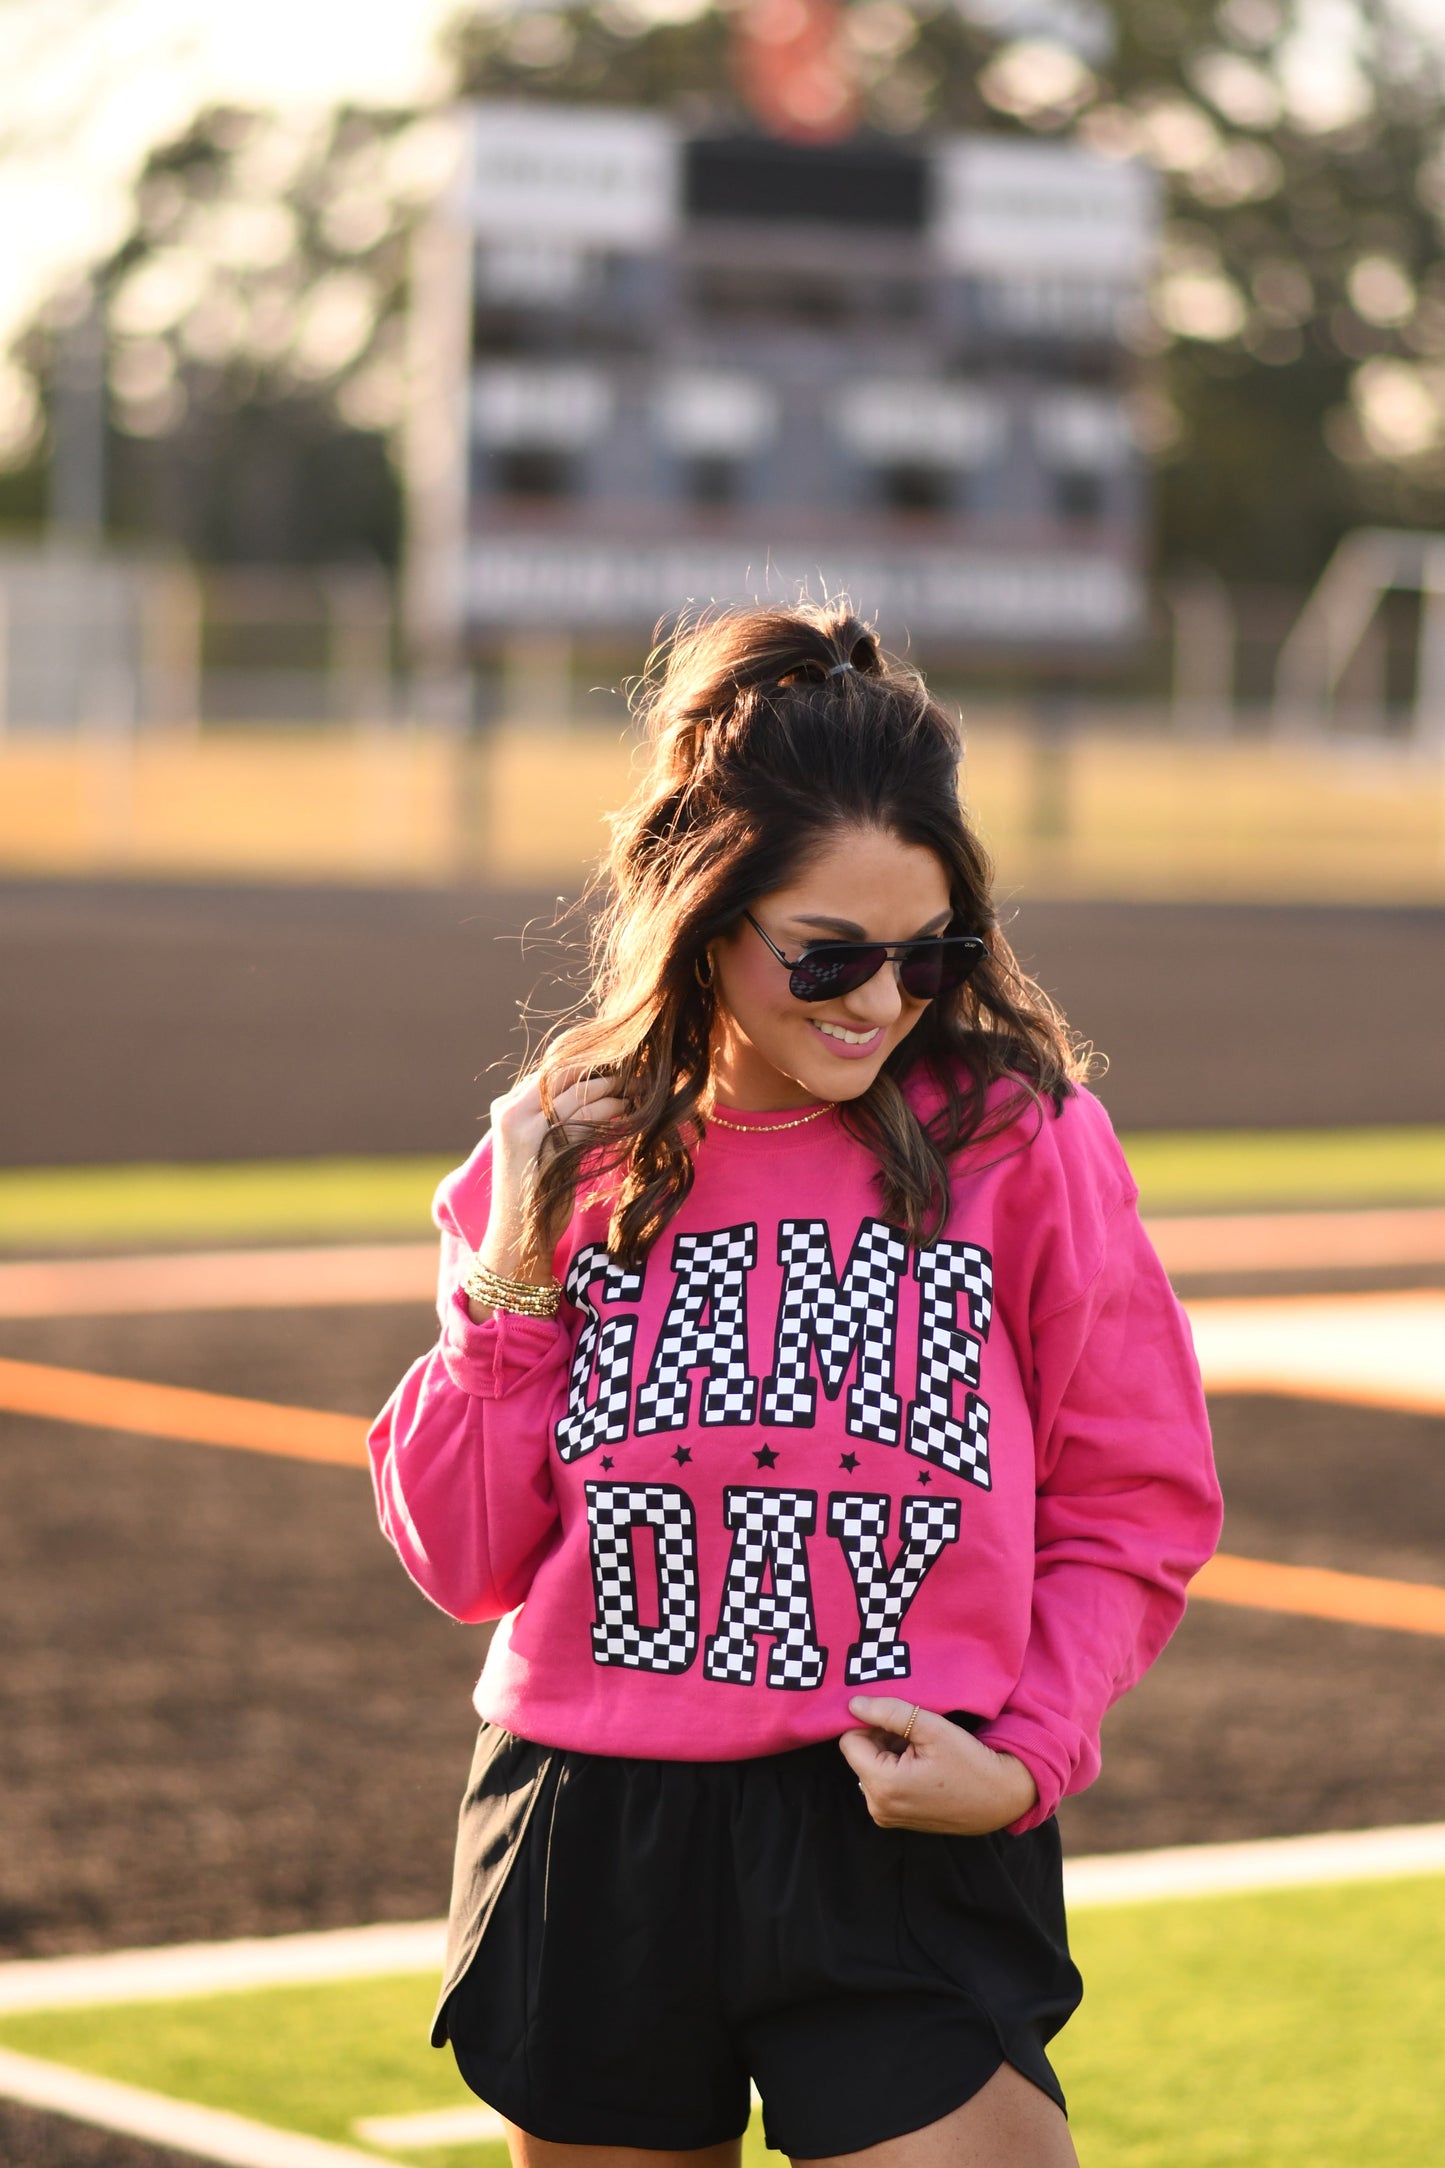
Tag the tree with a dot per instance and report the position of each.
(255, 318)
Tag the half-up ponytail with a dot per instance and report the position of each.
(770, 730)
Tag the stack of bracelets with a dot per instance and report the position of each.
(499, 1291)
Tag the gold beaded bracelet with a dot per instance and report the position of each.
(511, 1279)
(500, 1291)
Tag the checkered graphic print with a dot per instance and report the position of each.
(712, 1274)
(618, 1637)
(769, 1526)
(860, 1522)
(602, 1358)
(947, 1355)
(860, 1315)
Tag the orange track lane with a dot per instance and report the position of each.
(272, 1279)
(171, 1411)
(1234, 1242)
(397, 1272)
(1358, 1599)
(259, 1426)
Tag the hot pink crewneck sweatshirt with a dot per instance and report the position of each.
(795, 1458)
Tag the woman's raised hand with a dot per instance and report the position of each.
(939, 1778)
(522, 1138)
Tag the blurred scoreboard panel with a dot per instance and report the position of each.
(717, 367)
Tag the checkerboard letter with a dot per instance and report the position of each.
(614, 1510)
(836, 1321)
(769, 1527)
(601, 1381)
(712, 1280)
(860, 1522)
(948, 1356)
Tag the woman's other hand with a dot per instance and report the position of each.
(941, 1778)
(522, 1135)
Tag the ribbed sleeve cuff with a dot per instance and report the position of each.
(1040, 1753)
(490, 1360)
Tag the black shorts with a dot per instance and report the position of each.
(632, 1941)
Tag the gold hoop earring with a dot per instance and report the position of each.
(704, 983)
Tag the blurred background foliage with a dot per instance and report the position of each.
(255, 333)
(1291, 378)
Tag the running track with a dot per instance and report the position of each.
(1385, 1350)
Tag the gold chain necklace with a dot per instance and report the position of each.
(768, 1129)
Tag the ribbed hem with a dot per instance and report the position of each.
(488, 1360)
(1039, 1753)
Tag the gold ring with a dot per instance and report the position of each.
(908, 1727)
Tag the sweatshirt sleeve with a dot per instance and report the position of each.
(1128, 1508)
(459, 1454)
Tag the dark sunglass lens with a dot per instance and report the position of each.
(828, 970)
(936, 967)
(921, 971)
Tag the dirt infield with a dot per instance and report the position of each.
(31, 2140)
(227, 1711)
(147, 1022)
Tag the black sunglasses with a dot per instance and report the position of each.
(925, 968)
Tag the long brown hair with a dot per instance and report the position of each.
(762, 748)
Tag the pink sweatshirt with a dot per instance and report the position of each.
(795, 1458)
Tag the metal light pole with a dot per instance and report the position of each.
(77, 458)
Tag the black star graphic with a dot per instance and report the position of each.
(682, 1454)
(765, 1456)
(925, 1477)
(849, 1461)
(607, 1460)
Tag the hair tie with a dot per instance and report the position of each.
(839, 667)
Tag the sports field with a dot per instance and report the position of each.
(1270, 2028)
(227, 1714)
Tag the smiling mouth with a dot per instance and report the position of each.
(846, 1037)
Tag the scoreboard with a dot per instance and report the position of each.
(664, 368)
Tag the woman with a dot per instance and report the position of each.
(812, 1410)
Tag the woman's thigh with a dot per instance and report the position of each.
(1008, 2123)
(529, 2152)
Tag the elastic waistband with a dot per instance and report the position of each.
(794, 1756)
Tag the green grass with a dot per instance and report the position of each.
(1286, 2029)
(280, 1200)
(1241, 1170)
(339, 1200)
(311, 2059)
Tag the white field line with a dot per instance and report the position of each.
(431, 2126)
(441, 2126)
(209, 2133)
(1383, 1350)
(355, 1953)
(220, 1968)
(1214, 1870)
(298, 1278)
